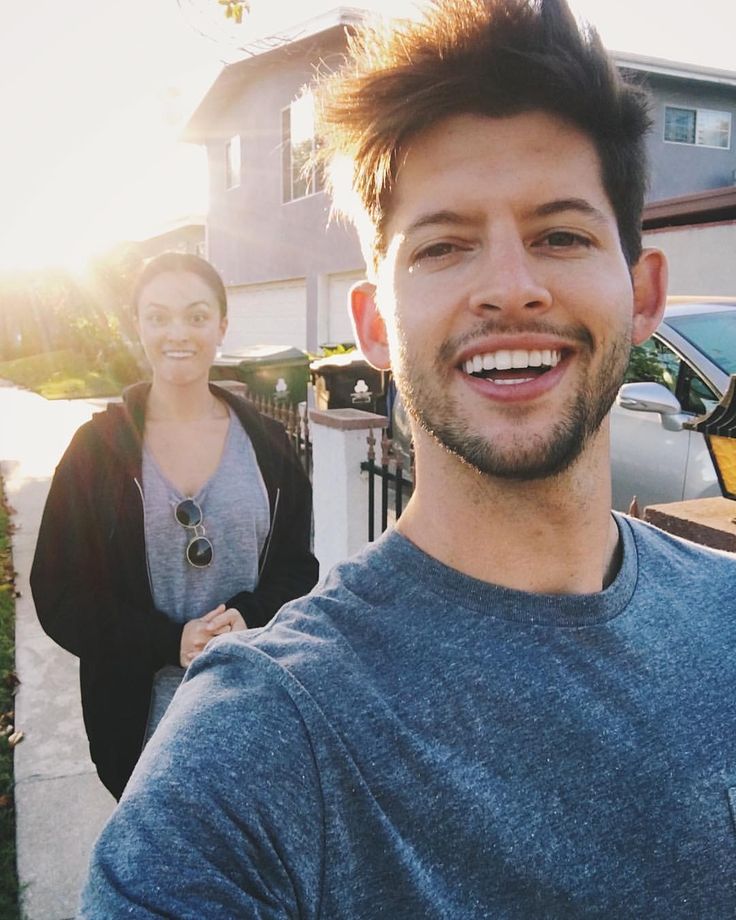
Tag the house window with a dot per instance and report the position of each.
(298, 176)
(703, 127)
(232, 162)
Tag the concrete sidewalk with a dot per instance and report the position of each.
(60, 803)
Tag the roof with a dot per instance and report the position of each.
(262, 53)
(715, 204)
(294, 40)
(678, 69)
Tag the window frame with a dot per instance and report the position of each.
(233, 174)
(697, 110)
(314, 182)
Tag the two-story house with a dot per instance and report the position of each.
(288, 271)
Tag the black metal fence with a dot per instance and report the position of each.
(295, 420)
(390, 476)
(395, 483)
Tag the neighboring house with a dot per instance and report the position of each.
(286, 269)
(691, 144)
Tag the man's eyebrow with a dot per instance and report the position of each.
(164, 306)
(444, 216)
(560, 205)
(548, 209)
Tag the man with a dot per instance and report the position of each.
(514, 705)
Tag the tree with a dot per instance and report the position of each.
(234, 9)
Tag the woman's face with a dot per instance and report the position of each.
(180, 326)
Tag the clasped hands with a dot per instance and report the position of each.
(197, 633)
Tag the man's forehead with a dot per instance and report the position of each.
(451, 170)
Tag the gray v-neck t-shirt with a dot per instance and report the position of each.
(235, 510)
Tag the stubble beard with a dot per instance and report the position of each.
(525, 458)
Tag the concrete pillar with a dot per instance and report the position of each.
(339, 446)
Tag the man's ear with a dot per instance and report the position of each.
(370, 329)
(649, 276)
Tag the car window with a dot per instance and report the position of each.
(714, 334)
(655, 362)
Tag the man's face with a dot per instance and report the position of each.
(507, 300)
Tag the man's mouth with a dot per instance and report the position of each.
(504, 366)
(178, 354)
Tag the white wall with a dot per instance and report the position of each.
(702, 259)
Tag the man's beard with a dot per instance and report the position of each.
(531, 456)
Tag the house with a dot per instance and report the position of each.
(288, 270)
(186, 234)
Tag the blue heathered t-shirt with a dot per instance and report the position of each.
(410, 743)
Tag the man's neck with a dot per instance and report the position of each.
(552, 536)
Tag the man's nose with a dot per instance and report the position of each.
(508, 280)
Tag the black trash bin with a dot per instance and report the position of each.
(279, 372)
(348, 381)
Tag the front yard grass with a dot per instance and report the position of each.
(9, 909)
(59, 375)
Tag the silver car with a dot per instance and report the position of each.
(676, 375)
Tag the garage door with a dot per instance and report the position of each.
(267, 314)
(339, 328)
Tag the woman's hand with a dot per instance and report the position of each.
(197, 633)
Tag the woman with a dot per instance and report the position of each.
(172, 518)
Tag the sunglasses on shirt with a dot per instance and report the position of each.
(199, 551)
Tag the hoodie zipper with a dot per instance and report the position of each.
(267, 547)
(145, 551)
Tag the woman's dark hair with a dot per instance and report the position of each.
(486, 57)
(180, 262)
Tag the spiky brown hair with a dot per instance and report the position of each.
(488, 57)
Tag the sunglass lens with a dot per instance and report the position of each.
(188, 513)
(199, 552)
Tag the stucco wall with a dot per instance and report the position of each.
(702, 259)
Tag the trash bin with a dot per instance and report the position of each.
(347, 381)
(279, 372)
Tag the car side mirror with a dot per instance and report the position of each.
(652, 397)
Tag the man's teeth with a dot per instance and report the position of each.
(179, 354)
(506, 359)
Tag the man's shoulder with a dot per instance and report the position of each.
(661, 553)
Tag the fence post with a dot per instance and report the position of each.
(339, 446)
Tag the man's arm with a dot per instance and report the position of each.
(222, 817)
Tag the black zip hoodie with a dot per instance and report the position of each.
(90, 579)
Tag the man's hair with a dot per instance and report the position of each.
(486, 57)
(180, 262)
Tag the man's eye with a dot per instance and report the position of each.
(436, 251)
(199, 319)
(565, 239)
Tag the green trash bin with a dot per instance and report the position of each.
(278, 372)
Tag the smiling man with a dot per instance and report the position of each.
(514, 704)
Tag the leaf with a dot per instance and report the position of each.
(15, 738)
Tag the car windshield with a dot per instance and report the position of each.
(712, 333)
